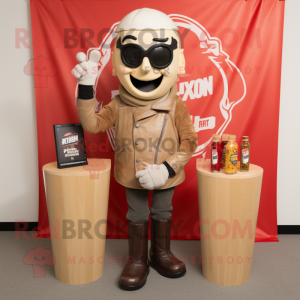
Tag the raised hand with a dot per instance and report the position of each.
(86, 71)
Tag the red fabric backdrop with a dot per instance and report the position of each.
(233, 64)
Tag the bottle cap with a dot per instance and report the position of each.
(232, 138)
(245, 137)
(216, 138)
(225, 137)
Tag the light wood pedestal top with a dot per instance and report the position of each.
(203, 167)
(96, 165)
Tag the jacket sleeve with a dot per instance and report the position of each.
(188, 137)
(96, 122)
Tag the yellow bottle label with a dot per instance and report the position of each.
(231, 158)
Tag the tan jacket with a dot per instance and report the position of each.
(144, 135)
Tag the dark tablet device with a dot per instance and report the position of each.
(69, 143)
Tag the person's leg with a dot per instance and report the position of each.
(138, 210)
(161, 257)
(161, 206)
(136, 270)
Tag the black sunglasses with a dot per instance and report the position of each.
(159, 55)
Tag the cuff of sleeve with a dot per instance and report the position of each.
(85, 92)
(85, 103)
(170, 170)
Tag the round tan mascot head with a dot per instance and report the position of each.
(147, 56)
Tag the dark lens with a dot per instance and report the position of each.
(132, 56)
(160, 56)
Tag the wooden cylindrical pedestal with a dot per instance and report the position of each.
(77, 200)
(228, 206)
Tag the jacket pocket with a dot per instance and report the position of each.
(122, 151)
(163, 155)
(170, 151)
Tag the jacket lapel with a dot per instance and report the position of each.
(151, 110)
(142, 114)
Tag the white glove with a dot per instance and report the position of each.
(153, 177)
(86, 71)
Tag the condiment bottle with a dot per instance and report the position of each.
(231, 155)
(215, 153)
(223, 148)
(245, 154)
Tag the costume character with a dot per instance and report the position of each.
(154, 134)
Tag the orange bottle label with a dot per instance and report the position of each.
(231, 158)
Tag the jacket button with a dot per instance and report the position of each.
(137, 160)
(137, 125)
(137, 142)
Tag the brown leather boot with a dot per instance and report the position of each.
(161, 257)
(135, 272)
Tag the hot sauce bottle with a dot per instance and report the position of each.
(245, 154)
(223, 148)
(231, 155)
(215, 153)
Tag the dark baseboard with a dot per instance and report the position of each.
(12, 226)
(288, 229)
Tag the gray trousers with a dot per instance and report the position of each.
(138, 209)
